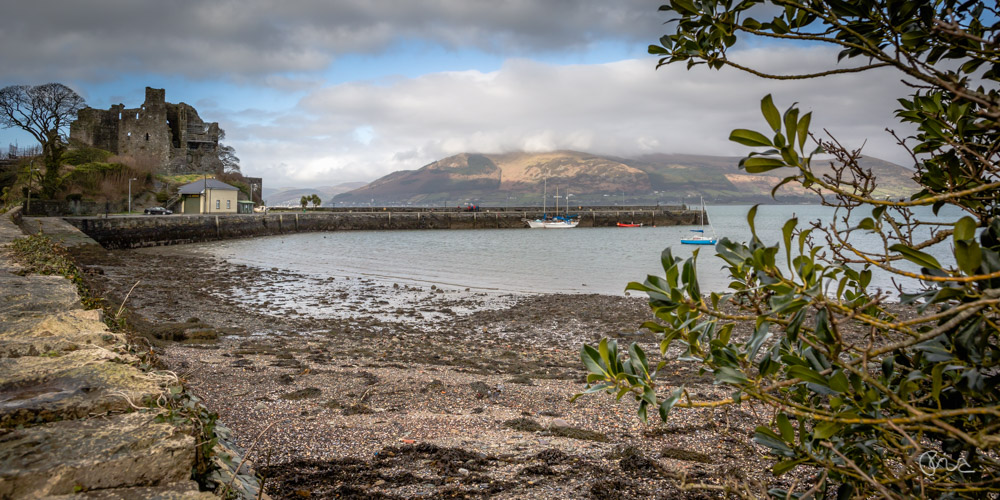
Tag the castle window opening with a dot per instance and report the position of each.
(136, 115)
(128, 135)
(147, 136)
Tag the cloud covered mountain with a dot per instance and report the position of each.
(496, 179)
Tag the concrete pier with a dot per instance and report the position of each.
(145, 230)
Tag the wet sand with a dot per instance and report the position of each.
(357, 388)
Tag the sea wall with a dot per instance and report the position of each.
(140, 231)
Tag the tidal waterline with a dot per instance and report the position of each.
(580, 260)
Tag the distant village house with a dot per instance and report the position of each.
(209, 196)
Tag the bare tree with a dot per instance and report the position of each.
(44, 111)
(230, 162)
(227, 157)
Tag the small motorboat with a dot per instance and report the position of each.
(699, 240)
(629, 224)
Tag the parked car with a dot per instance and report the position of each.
(157, 211)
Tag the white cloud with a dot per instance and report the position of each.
(623, 108)
(63, 40)
(272, 52)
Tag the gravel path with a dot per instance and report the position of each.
(364, 389)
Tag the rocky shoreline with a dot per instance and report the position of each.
(346, 390)
(83, 412)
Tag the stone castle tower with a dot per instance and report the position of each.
(170, 137)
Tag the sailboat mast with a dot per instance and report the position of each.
(545, 194)
(703, 212)
(557, 201)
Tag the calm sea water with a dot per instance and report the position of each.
(581, 260)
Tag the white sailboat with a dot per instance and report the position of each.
(701, 239)
(552, 224)
(555, 222)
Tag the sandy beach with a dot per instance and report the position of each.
(357, 388)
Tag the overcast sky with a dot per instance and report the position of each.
(320, 92)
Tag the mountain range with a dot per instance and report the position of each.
(522, 178)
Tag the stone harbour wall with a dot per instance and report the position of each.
(147, 230)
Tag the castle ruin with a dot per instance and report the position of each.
(170, 137)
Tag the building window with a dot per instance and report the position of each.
(227, 205)
(216, 204)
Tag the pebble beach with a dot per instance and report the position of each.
(349, 388)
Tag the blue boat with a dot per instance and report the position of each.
(701, 239)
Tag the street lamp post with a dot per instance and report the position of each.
(130, 195)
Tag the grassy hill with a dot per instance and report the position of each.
(520, 178)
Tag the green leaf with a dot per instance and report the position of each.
(803, 129)
(969, 256)
(751, 216)
(749, 138)
(770, 112)
(684, 7)
(824, 430)
(786, 465)
(592, 360)
(838, 381)
(760, 335)
(649, 395)
(916, 256)
(602, 350)
(786, 232)
(757, 164)
(791, 119)
(729, 375)
(785, 426)
(965, 229)
(867, 223)
(669, 403)
(766, 437)
(637, 358)
(806, 375)
(592, 389)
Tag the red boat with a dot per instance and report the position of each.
(630, 224)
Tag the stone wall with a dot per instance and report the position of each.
(79, 417)
(140, 231)
(55, 208)
(169, 137)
